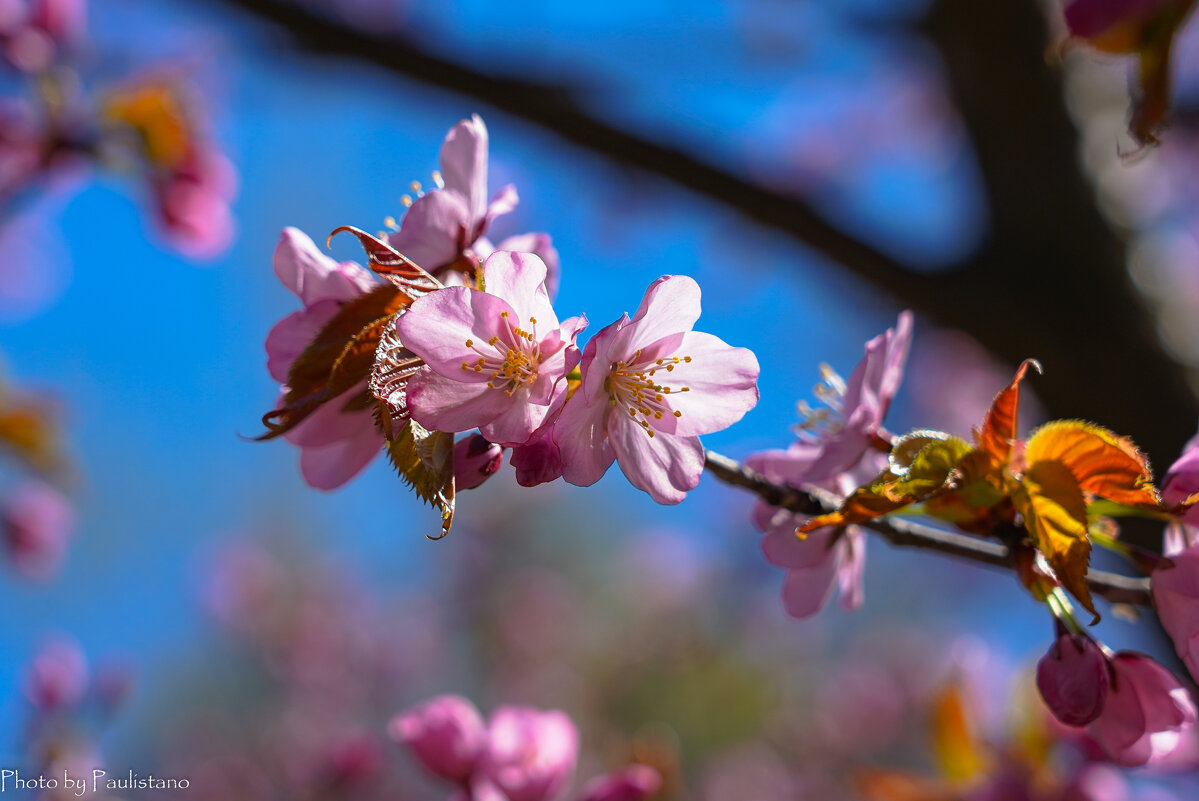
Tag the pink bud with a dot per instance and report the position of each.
(36, 522)
(538, 461)
(630, 784)
(57, 677)
(1146, 711)
(445, 733)
(532, 753)
(476, 459)
(1175, 590)
(1073, 679)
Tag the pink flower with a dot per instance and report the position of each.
(445, 733)
(532, 753)
(57, 677)
(1175, 588)
(1073, 679)
(827, 558)
(850, 425)
(193, 202)
(494, 360)
(36, 522)
(334, 445)
(476, 459)
(1181, 480)
(33, 36)
(1145, 712)
(449, 223)
(630, 784)
(651, 386)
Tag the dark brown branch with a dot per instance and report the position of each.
(915, 534)
(1050, 283)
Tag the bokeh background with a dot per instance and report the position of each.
(263, 625)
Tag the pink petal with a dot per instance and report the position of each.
(670, 306)
(517, 423)
(875, 380)
(312, 275)
(289, 337)
(437, 327)
(504, 202)
(330, 424)
(581, 437)
(327, 467)
(519, 278)
(851, 568)
(807, 590)
(722, 382)
(441, 403)
(543, 246)
(434, 230)
(782, 547)
(665, 466)
(464, 164)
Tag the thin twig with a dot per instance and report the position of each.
(915, 534)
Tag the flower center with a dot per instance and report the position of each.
(633, 387)
(512, 356)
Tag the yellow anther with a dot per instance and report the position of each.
(470, 343)
(406, 200)
(414, 186)
(493, 340)
(503, 314)
(687, 359)
(533, 320)
(390, 222)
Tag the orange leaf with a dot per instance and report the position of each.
(1103, 464)
(866, 503)
(1055, 514)
(959, 751)
(998, 429)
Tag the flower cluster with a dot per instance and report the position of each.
(521, 754)
(462, 336)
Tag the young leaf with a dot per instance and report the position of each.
(1104, 465)
(388, 262)
(425, 460)
(1055, 514)
(998, 429)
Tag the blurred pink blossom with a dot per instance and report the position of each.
(1073, 679)
(36, 521)
(446, 734)
(57, 678)
(1146, 710)
(531, 753)
(630, 784)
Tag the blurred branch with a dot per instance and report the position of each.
(1050, 283)
(913, 534)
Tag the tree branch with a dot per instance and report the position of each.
(1050, 283)
(914, 534)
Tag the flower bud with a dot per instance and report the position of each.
(36, 522)
(476, 459)
(57, 677)
(1146, 711)
(1073, 679)
(445, 733)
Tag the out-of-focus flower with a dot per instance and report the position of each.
(36, 521)
(849, 426)
(476, 459)
(828, 557)
(335, 444)
(192, 182)
(1073, 679)
(446, 734)
(1175, 587)
(1181, 481)
(494, 360)
(1146, 710)
(630, 784)
(33, 33)
(651, 386)
(57, 677)
(532, 753)
(445, 229)
(1145, 28)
